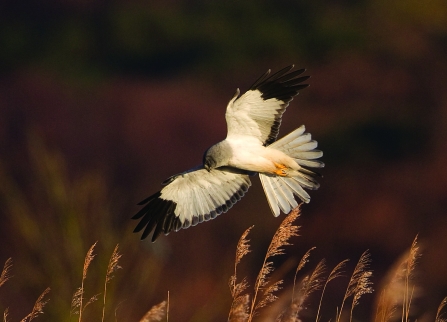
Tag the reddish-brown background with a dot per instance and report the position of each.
(101, 101)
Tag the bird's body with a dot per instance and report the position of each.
(253, 122)
(250, 155)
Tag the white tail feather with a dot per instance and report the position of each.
(280, 191)
(270, 194)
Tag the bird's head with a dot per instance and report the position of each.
(217, 156)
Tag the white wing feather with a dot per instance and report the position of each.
(200, 193)
(250, 115)
(258, 112)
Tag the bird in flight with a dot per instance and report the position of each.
(251, 147)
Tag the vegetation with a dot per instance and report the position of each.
(397, 293)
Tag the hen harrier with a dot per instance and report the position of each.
(253, 121)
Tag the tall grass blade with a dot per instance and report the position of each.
(156, 313)
(336, 272)
(77, 305)
(410, 265)
(111, 268)
(5, 275)
(359, 283)
(439, 315)
(38, 307)
(239, 305)
(5, 315)
(280, 239)
(304, 260)
(308, 285)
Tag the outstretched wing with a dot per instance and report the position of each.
(258, 112)
(190, 198)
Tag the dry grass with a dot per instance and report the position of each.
(336, 272)
(396, 295)
(242, 309)
(308, 285)
(4, 277)
(359, 284)
(262, 285)
(439, 313)
(156, 313)
(239, 305)
(5, 315)
(77, 303)
(111, 268)
(38, 307)
(398, 290)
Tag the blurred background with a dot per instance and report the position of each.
(100, 101)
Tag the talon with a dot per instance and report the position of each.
(280, 169)
(280, 172)
(279, 165)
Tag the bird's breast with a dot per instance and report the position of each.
(250, 157)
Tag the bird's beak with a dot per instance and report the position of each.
(207, 167)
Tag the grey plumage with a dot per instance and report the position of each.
(217, 155)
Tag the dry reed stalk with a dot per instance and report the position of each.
(336, 272)
(441, 306)
(239, 309)
(304, 260)
(156, 313)
(239, 305)
(268, 295)
(38, 307)
(280, 239)
(5, 315)
(4, 277)
(167, 309)
(77, 306)
(411, 264)
(293, 307)
(309, 284)
(359, 283)
(385, 307)
(117, 307)
(363, 287)
(397, 288)
(94, 298)
(111, 268)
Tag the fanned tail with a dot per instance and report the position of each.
(281, 191)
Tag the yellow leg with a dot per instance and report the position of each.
(280, 169)
(279, 165)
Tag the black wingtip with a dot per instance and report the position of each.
(282, 85)
(260, 79)
(157, 215)
(145, 201)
